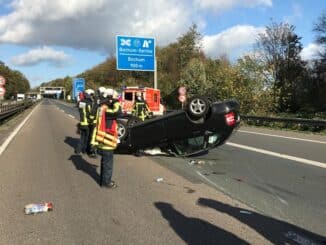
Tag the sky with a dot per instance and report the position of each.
(46, 39)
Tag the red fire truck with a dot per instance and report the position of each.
(151, 95)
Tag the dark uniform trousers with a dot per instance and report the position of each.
(83, 142)
(106, 166)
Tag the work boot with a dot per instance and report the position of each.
(111, 185)
(139, 153)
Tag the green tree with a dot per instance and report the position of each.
(188, 46)
(16, 82)
(193, 77)
(252, 86)
(280, 49)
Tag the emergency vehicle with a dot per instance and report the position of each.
(151, 95)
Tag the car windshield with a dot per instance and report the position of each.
(197, 144)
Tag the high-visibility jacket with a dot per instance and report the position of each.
(105, 134)
(85, 108)
(141, 110)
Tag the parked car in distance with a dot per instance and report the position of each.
(204, 124)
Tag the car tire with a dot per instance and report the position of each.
(122, 129)
(211, 99)
(198, 107)
(132, 121)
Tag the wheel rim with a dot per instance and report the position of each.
(198, 106)
(121, 131)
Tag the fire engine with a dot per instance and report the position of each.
(151, 95)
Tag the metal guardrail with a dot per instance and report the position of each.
(311, 122)
(8, 109)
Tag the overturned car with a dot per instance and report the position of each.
(204, 124)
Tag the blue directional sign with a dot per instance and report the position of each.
(135, 53)
(78, 85)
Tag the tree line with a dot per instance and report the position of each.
(16, 82)
(273, 78)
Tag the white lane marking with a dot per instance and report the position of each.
(203, 176)
(284, 137)
(15, 132)
(282, 200)
(71, 116)
(280, 155)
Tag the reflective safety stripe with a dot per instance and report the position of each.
(107, 136)
(84, 119)
(141, 110)
(106, 142)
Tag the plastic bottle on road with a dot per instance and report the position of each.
(35, 208)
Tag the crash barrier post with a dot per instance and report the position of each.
(8, 109)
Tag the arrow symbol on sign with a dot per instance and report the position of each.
(125, 42)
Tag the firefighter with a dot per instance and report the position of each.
(84, 107)
(91, 122)
(105, 136)
(140, 108)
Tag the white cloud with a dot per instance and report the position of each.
(311, 51)
(222, 5)
(297, 13)
(93, 24)
(39, 55)
(231, 41)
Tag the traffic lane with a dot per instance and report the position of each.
(39, 165)
(70, 109)
(280, 188)
(279, 145)
(297, 148)
(269, 187)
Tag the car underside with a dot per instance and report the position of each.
(203, 125)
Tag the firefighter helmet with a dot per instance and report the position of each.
(101, 90)
(109, 92)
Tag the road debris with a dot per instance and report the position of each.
(189, 190)
(35, 208)
(197, 162)
(159, 179)
(245, 212)
(238, 179)
(154, 151)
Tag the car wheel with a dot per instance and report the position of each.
(132, 121)
(122, 129)
(198, 107)
(211, 99)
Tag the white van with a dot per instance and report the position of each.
(20, 97)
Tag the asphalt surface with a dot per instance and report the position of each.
(39, 165)
(282, 188)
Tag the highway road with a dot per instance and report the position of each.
(262, 187)
(280, 173)
(290, 190)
